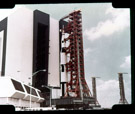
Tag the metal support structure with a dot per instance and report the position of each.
(121, 86)
(76, 85)
(94, 90)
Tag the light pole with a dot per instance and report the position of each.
(31, 85)
(50, 92)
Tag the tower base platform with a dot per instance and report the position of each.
(72, 103)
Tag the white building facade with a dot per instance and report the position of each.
(19, 94)
(29, 42)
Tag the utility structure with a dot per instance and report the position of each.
(77, 85)
(73, 59)
(121, 86)
(95, 91)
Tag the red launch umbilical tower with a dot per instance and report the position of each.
(75, 66)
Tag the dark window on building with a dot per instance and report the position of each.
(3, 27)
(34, 92)
(27, 88)
(41, 47)
(62, 66)
(1, 47)
(17, 85)
(41, 61)
(40, 94)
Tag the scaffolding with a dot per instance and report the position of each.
(95, 91)
(77, 85)
(122, 92)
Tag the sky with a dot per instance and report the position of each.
(106, 38)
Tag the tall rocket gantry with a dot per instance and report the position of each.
(73, 58)
(74, 85)
(73, 80)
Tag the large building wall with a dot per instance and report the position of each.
(54, 64)
(19, 47)
(30, 42)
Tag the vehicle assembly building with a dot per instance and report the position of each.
(32, 41)
(29, 42)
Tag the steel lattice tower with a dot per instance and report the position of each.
(122, 92)
(94, 90)
(75, 66)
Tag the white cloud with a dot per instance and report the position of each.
(127, 86)
(6, 12)
(108, 93)
(127, 62)
(87, 51)
(119, 21)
